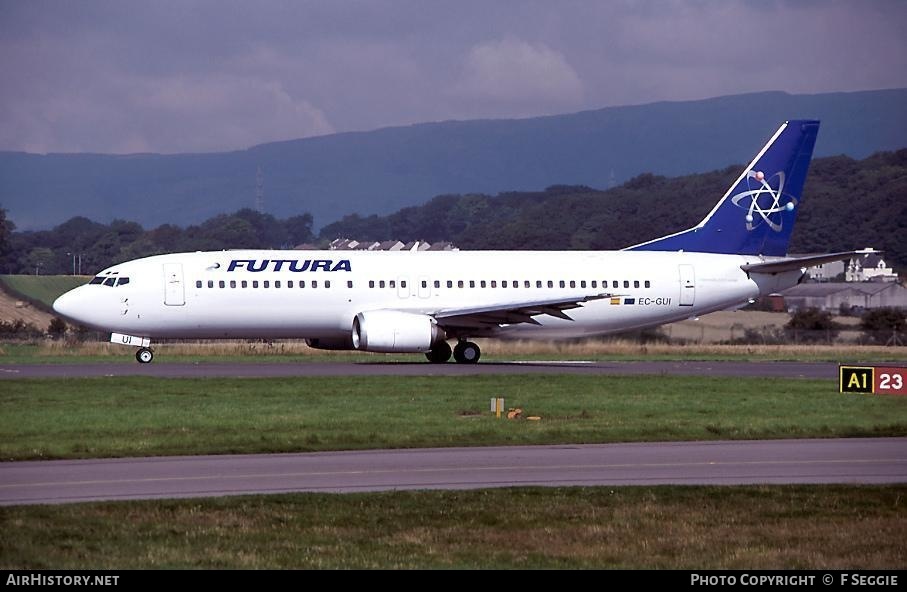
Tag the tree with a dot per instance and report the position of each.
(885, 326)
(57, 328)
(38, 258)
(6, 229)
(299, 229)
(811, 325)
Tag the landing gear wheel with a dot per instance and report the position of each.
(467, 352)
(439, 353)
(144, 356)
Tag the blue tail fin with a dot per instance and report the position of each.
(757, 214)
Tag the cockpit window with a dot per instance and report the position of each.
(109, 281)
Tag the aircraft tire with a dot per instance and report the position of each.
(467, 352)
(439, 353)
(144, 356)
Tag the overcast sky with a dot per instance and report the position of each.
(127, 76)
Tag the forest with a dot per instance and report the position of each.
(847, 204)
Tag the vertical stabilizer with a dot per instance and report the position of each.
(756, 216)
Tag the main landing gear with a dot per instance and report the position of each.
(465, 352)
(144, 355)
(439, 353)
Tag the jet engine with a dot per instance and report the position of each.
(391, 331)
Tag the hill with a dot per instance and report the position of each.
(381, 171)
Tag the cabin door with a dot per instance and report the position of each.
(174, 293)
(687, 285)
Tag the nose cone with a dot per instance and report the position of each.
(63, 304)
(67, 306)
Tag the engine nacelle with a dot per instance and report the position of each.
(391, 331)
(341, 343)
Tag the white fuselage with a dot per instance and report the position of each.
(317, 294)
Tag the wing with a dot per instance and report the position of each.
(491, 317)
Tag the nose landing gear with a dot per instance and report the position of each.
(144, 355)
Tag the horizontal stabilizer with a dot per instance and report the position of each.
(794, 263)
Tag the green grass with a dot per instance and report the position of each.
(139, 416)
(291, 352)
(41, 288)
(778, 527)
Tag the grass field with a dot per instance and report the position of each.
(238, 352)
(105, 417)
(42, 288)
(779, 527)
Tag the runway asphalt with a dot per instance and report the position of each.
(855, 460)
(820, 370)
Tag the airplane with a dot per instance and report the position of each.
(414, 302)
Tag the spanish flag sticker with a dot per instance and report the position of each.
(615, 301)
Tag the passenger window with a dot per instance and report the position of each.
(393, 283)
(198, 284)
(222, 284)
(648, 284)
(349, 284)
(450, 283)
(582, 284)
(232, 283)
(460, 284)
(594, 283)
(403, 284)
(277, 284)
(494, 283)
(562, 284)
(289, 283)
(472, 283)
(626, 284)
(437, 283)
(327, 284)
(254, 283)
(210, 283)
(424, 284)
(503, 284)
(550, 284)
(244, 284)
(635, 283)
(381, 284)
(301, 284)
(314, 283)
(572, 283)
(371, 283)
(482, 284)
(526, 284)
(615, 284)
(266, 284)
(538, 283)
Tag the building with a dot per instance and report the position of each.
(871, 267)
(833, 296)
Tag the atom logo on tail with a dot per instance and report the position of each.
(757, 187)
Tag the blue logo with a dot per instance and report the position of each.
(774, 201)
(294, 265)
